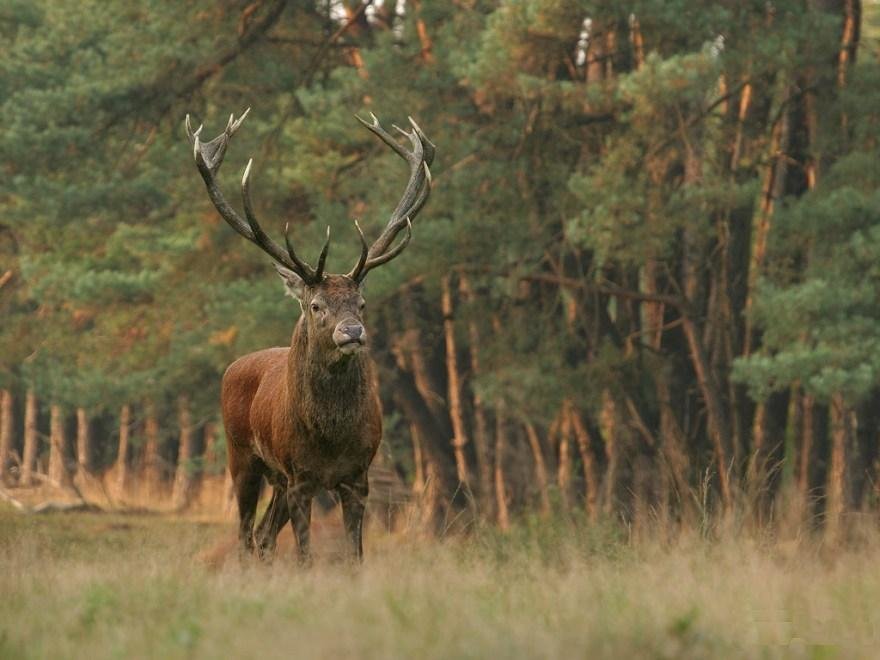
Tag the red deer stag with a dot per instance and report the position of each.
(308, 417)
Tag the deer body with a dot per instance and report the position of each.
(308, 417)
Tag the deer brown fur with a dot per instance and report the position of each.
(308, 417)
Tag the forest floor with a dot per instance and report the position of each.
(108, 585)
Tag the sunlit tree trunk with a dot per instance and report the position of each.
(808, 434)
(59, 473)
(123, 448)
(152, 469)
(456, 414)
(31, 439)
(637, 42)
(83, 441)
(716, 420)
(229, 505)
(540, 466)
(418, 484)
(563, 467)
(184, 474)
(596, 52)
(481, 430)
(608, 422)
(582, 435)
(209, 442)
(835, 495)
(422, 32)
(501, 508)
(6, 426)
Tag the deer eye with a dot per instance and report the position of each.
(362, 304)
(316, 308)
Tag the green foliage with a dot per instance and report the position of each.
(556, 174)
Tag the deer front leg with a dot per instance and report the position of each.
(354, 500)
(274, 519)
(299, 506)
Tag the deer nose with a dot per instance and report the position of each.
(354, 331)
(349, 334)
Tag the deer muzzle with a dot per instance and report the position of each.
(350, 337)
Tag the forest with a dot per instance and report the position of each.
(645, 287)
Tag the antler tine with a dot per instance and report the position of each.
(376, 128)
(208, 157)
(301, 266)
(355, 273)
(261, 239)
(416, 193)
(385, 257)
(319, 272)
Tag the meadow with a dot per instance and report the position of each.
(110, 585)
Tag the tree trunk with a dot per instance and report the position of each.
(209, 442)
(422, 32)
(835, 496)
(31, 439)
(152, 469)
(500, 488)
(418, 484)
(184, 476)
(123, 448)
(58, 470)
(596, 52)
(540, 467)
(83, 442)
(808, 433)
(716, 420)
(745, 101)
(459, 439)
(591, 494)
(637, 42)
(563, 467)
(772, 190)
(481, 430)
(432, 438)
(6, 426)
(608, 421)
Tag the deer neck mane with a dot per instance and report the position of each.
(324, 383)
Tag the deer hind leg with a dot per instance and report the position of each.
(247, 484)
(274, 519)
(299, 507)
(354, 501)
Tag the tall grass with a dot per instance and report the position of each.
(81, 585)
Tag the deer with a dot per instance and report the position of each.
(308, 416)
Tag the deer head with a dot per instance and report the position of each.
(332, 304)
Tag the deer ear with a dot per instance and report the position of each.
(293, 283)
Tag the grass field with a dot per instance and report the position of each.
(98, 585)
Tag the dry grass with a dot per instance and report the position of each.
(85, 585)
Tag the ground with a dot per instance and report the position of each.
(103, 585)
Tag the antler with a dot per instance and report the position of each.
(414, 196)
(209, 157)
